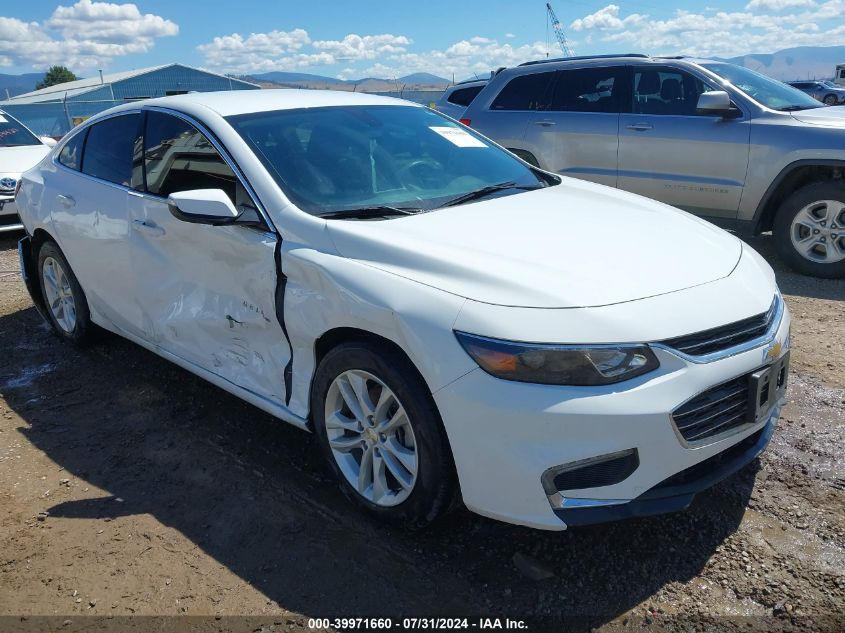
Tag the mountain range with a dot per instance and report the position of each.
(804, 62)
(418, 81)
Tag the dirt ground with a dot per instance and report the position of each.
(129, 486)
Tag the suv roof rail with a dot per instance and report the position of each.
(472, 81)
(582, 58)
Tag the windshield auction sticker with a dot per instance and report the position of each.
(457, 136)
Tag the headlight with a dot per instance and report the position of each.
(577, 365)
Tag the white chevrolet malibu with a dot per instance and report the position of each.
(449, 321)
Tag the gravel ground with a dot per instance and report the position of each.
(128, 486)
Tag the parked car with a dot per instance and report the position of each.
(449, 321)
(20, 149)
(721, 141)
(455, 99)
(825, 91)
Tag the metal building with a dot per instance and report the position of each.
(55, 110)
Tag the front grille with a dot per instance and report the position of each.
(719, 409)
(726, 336)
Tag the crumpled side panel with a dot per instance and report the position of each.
(207, 294)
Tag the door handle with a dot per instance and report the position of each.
(67, 201)
(545, 123)
(145, 227)
(640, 127)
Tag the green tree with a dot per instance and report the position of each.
(56, 75)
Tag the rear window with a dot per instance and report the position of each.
(71, 154)
(588, 90)
(110, 148)
(523, 93)
(464, 96)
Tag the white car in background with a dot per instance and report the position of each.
(451, 322)
(20, 150)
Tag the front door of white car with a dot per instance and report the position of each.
(206, 293)
(668, 152)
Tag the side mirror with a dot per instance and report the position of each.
(203, 206)
(48, 141)
(717, 103)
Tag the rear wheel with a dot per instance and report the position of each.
(67, 308)
(810, 230)
(830, 100)
(380, 432)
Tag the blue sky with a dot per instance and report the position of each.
(390, 38)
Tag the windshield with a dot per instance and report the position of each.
(341, 158)
(764, 90)
(13, 134)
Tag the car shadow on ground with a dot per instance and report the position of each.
(250, 492)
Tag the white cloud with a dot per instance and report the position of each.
(777, 5)
(391, 54)
(82, 36)
(719, 33)
(509, 36)
(355, 47)
(258, 51)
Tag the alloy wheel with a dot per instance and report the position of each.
(59, 294)
(818, 231)
(371, 438)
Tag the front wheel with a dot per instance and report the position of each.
(810, 230)
(830, 100)
(380, 432)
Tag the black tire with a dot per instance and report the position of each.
(83, 331)
(435, 488)
(830, 100)
(831, 190)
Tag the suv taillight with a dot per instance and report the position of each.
(467, 122)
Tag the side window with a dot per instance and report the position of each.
(523, 93)
(177, 157)
(842, 74)
(71, 154)
(464, 96)
(666, 91)
(589, 90)
(109, 148)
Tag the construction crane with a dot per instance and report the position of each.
(559, 34)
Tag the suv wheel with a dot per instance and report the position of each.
(810, 230)
(380, 432)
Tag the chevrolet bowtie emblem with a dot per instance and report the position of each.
(773, 352)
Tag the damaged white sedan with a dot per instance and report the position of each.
(451, 322)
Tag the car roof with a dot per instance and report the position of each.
(621, 57)
(233, 102)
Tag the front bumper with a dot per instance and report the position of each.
(9, 220)
(506, 435)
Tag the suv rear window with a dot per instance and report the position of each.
(588, 90)
(523, 93)
(464, 96)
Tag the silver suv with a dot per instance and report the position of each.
(745, 151)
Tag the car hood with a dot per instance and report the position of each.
(833, 116)
(573, 245)
(16, 160)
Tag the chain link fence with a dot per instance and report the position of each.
(57, 118)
